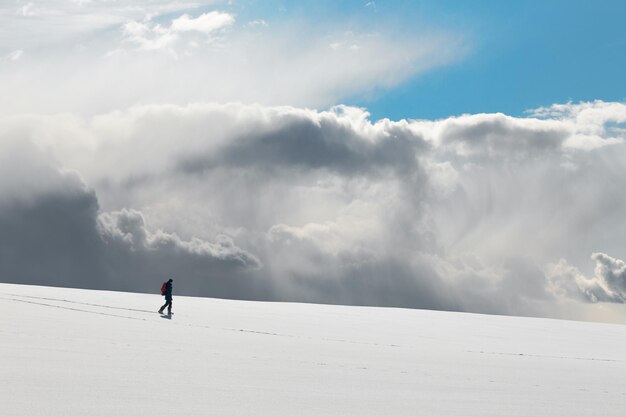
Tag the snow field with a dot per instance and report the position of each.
(69, 352)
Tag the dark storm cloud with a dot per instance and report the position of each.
(377, 282)
(51, 239)
(305, 142)
(57, 235)
(400, 277)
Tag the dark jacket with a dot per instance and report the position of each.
(168, 290)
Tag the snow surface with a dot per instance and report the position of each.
(67, 352)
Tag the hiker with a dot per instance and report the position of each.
(167, 292)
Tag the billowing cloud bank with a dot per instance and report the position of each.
(483, 213)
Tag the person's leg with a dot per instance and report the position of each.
(169, 308)
(163, 306)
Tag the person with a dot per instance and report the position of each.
(168, 298)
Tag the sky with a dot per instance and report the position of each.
(409, 154)
(520, 55)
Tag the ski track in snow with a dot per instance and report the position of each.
(78, 302)
(69, 308)
(152, 313)
(526, 355)
(67, 353)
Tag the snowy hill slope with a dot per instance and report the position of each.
(68, 352)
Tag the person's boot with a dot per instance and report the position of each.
(160, 311)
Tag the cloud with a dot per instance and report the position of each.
(498, 135)
(59, 26)
(467, 213)
(150, 36)
(179, 53)
(608, 284)
(15, 55)
(128, 227)
(53, 232)
(28, 10)
(206, 23)
(598, 123)
(328, 140)
(258, 23)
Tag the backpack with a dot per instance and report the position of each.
(164, 288)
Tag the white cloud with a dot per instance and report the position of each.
(608, 284)
(15, 55)
(60, 25)
(595, 122)
(28, 10)
(158, 51)
(153, 36)
(258, 23)
(149, 36)
(129, 226)
(147, 61)
(205, 23)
